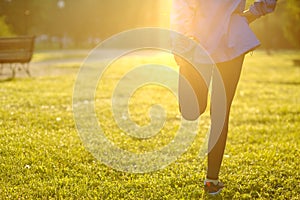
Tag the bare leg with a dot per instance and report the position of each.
(230, 72)
(193, 89)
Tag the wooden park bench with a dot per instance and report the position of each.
(16, 52)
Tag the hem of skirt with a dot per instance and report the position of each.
(244, 52)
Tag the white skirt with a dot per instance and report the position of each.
(217, 25)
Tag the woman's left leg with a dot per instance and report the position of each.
(230, 72)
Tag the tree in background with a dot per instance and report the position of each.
(5, 30)
(291, 24)
(80, 20)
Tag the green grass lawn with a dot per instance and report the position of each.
(42, 156)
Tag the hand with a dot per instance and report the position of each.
(185, 47)
(249, 16)
(263, 7)
(184, 44)
(180, 61)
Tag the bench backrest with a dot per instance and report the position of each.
(16, 49)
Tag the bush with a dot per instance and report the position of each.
(5, 30)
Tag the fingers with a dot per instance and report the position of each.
(262, 7)
(180, 61)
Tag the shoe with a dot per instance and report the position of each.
(213, 189)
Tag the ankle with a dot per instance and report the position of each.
(214, 181)
(212, 177)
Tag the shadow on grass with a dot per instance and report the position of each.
(212, 197)
(288, 83)
(6, 79)
(280, 82)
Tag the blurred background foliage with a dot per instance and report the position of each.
(82, 23)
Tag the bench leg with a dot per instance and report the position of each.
(26, 68)
(13, 70)
(16, 66)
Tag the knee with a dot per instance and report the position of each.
(202, 108)
(190, 116)
(192, 113)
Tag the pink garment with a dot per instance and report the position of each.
(217, 25)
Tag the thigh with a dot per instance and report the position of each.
(193, 89)
(230, 74)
